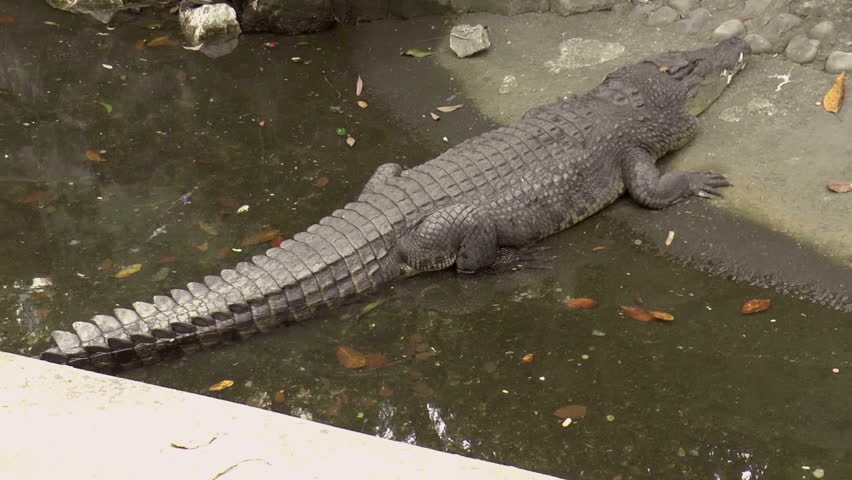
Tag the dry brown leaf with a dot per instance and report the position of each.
(37, 197)
(581, 302)
(279, 397)
(385, 392)
(840, 187)
(599, 248)
(164, 41)
(376, 360)
(350, 358)
(166, 259)
(350, 140)
(362, 103)
(191, 444)
(637, 313)
(140, 44)
(528, 358)
(571, 411)
(107, 266)
(833, 99)
(359, 86)
(434, 116)
(321, 182)
(6, 19)
(262, 236)
(756, 305)
(94, 156)
(450, 108)
(425, 355)
(661, 315)
(219, 386)
(128, 270)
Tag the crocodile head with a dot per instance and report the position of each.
(704, 72)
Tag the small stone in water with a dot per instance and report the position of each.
(818, 473)
(681, 452)
(598, 333)
(610, 418)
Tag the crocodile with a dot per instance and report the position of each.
(506, 188)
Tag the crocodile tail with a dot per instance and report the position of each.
(345, 253)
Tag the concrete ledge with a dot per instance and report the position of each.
(59, 422)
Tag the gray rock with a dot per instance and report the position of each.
(642, 12)
(839, 62)
(823, 31)
(820, 8)
(754, 8)
(101, 10)
(623, 8)
(731, 28)
(502, 7)
(662, 16)
(802, 49)
(465, 40)
(210, 24)
(693, 23)
(683, 6)
(779, 30)
(716, 5)
(757, 43)
(290, 17)
(571, 7)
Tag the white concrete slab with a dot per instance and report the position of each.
(59, 422)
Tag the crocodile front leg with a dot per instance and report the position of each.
(460, 234)
(649, 188)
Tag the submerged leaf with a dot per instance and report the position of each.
(571, 411)
(660, 315)
(416, 52)
(637, 313)
(581, 303)
(833, 99)
(262, 236)
(756, 305)
(528, 358)
(164, 41)
(129, 270)
(219, 386)
(94, 156)
(350, 358)
(6, 19)
(376, 360)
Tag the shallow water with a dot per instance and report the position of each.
(189, 140)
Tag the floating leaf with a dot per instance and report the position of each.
(580, 303)
(376, 360)
(106, 106)
(321, 182)
(637, 313)
(129, 270)
(262, 236)
(219, 386)
(599, 248)
(450, 108)
(243, 209)
(359, 86)
(840, 187)
(833, 99)
(571, 411)
(107, 266)
(660, 315)
(279, 397)
(370, 307)
(52, 24)
(164, 41)
(528, 358)
(94, 156)
(350, 358)
(193, 47)
(6, 19)
(670, 237)
(208, 228)
(416, 52)
(362, 103)
(756, 305)
(434, 116)
(341, 132)
(350, 140)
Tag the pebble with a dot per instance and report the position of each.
(683, 6)
(754, 8)
(822, 31)
(714, 5)
(731, 28)
(663, 16)
(466, 40)
(642, 12)
(802, 49)
(780, 25)
(757, 43)
(694, 22)
(839, 62)
(818, 473)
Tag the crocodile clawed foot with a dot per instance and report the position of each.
(707, 184)
(525, 258)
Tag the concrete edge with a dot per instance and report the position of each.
(61, 422)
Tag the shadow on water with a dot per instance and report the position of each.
(714, 394)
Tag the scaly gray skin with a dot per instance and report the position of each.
(506, 188)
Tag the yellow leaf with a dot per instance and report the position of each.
(219, 386)
(833, 98)
(164, 41)
(756, 305)
(450, 108)
(94, 156)
(129, 270)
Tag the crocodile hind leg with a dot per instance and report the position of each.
(460, 234)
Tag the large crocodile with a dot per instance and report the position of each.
(506, 188)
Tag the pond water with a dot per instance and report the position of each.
(116, 153)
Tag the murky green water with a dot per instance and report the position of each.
(713, 394)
